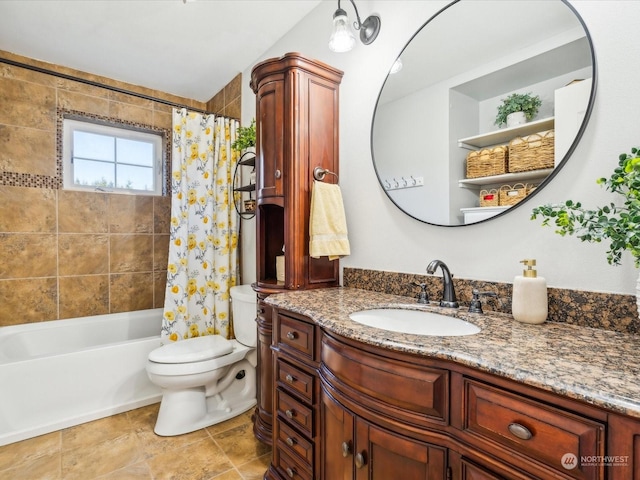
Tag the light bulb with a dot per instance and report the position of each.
(342, 38)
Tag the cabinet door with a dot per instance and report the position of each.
(381, 455)
(336, 438)
(270, 139)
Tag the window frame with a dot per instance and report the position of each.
(114, 130)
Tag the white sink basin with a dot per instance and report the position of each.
(414, 321)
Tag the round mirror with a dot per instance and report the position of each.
(437, 149)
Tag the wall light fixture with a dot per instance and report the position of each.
(342, 38)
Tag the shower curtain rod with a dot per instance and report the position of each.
(100, 85)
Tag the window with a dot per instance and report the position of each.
(111, 159)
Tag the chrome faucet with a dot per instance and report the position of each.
(448, 292)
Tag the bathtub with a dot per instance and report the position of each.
(62, 373)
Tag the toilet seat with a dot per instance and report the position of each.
(238, 352)
(195, 349)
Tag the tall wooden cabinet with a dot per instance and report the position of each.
(296, 131)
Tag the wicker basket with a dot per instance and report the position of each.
(486, 162)
(511, 195)
(489, 198)
(533, 152)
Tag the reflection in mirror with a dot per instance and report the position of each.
(442, 106)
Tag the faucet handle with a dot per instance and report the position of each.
(476, 305)
(423, 296)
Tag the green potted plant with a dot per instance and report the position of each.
(525, 103)
(616, 223)
(246, 137)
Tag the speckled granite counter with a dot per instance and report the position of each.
(599, 367)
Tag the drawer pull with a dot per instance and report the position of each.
(291, 472)
(292, 335)
(278, 174)
(520, 431)
(346, 449)
(290, 441)
(289, 378)
(290, 413)
(361, 460)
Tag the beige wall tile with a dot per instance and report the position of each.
(233, 109)
(20, 96)
(216, 104)
(159, 287)
(27, 209)
(132, 99)
(160, 252)
(29, 300)
(130, 113)
(23, 74)
(80, 254)
(83, 212)
(233, 89)
(27, 150)
(83, 103)
(162, 119)
(65, 85)
(130, 253)
(131, 291)
(161, 214)
(84, 295)
(130, 213)
(28, 255)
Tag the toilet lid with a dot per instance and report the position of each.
(192, 350)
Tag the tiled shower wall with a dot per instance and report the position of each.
(66, 254)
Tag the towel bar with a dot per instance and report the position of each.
(319, 173)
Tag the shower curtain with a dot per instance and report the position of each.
(203, 246)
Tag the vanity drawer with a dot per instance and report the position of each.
(294, 412)
(293, 379)
(537, 430)
(288, 467)
(295, 334)
(292, 441)
(414, 392)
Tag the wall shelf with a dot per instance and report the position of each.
(505, 135)
(508, 178)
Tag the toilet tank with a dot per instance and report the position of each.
(243, 304)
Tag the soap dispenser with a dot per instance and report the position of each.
(530, 304)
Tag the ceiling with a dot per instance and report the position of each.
(191, 49)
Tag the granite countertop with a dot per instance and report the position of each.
(599, 367)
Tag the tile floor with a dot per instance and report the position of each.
(124, 447)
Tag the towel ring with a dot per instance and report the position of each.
(319, 173)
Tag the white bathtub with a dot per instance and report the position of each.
(62, 373)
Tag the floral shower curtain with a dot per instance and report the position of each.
(203, 259)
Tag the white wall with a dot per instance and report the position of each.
(383, 238)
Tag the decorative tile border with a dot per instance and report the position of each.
(608, 311)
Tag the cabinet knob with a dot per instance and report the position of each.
(290, 413)
(278, 174)
(291, 472)
(292, 335)
(520, 431)
(290, 441)
(346, 449)
(290, 378)
(361, 460)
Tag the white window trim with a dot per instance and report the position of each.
(70, 125)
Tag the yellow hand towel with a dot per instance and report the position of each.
(327, 223)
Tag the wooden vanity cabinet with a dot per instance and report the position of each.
(296, 131)
(347, 410)
(354, 448)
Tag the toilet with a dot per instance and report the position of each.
(207, 380)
